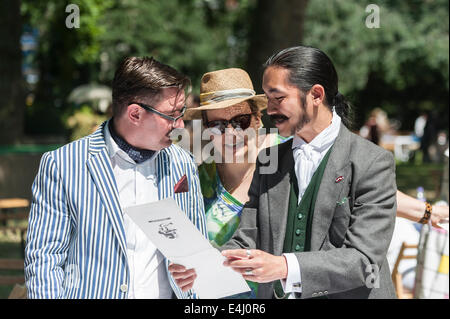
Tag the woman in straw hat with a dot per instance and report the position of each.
(231, 111)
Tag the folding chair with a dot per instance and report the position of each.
(397, 277)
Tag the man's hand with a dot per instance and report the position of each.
(259, 266)
(184, 278)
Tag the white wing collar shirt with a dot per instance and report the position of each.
(136, 184)
(307, 157)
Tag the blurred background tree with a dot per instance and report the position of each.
(401, 67)
(11, 82)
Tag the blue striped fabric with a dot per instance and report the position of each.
(76, 244)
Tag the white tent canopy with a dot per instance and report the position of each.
(99, 95)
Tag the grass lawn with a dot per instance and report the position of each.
(429, 176)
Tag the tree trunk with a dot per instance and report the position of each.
(276, 25)
(12, 103)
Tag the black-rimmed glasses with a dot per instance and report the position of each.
(167, 117)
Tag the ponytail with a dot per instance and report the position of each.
(344, 109)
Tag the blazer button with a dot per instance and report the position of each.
(124, 288)
(297, 248)
(325, 292)
(297, 232)
(299, 216)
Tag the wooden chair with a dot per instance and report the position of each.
(14, 209)
(397, 278)
(11, 264)
(19, 291)
(11, 203)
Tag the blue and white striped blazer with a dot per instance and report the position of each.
(76, 244)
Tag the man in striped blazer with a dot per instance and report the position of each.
(80, 244)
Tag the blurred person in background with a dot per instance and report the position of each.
(419, 125)
(376, 125)
(429, 137)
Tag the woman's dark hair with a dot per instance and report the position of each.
(143, 77)
(308, 66)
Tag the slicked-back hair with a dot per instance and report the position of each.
(308, 66)
(138, 77)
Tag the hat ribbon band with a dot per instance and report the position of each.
(218, 96)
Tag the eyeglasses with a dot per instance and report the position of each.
(167, 117)
(240, 121)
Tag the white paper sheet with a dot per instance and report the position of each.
(179, 241)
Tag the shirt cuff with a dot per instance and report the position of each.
(293, 282)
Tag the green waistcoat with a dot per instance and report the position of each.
(300, 216)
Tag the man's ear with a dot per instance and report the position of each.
(318, 94)
(134, 114)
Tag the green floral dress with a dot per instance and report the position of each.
(223, 211)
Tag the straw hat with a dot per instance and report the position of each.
(223, 88)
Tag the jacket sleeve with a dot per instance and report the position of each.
(48, 234)
(366, 241)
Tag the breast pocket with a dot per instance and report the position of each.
(340, 223)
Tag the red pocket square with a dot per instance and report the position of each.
(182, 185)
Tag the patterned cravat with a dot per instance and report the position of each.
(136, 154)
(306, 161)
(307, 157)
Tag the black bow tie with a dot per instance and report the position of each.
(136, 154)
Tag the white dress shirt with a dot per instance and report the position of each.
(136, 184)
(307, 157)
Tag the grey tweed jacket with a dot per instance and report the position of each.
(352, 226)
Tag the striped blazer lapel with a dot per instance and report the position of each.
(170, 170)
(99, 165)
(164, 179)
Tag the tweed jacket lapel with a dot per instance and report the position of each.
(279, 185)
(337, 174)
(99, 165)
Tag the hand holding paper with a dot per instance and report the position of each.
(256, 265)
(179, 241)
(184, 278)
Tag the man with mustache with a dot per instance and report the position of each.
(321, 225)
(80, 243)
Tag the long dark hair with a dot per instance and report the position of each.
(308, 66)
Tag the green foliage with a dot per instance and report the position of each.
(193, 36)
(401, 66)
(83, 122)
